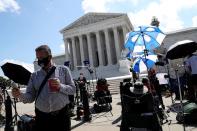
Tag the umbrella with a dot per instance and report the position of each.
(143, 63)
(181, 49)
(18, 72)
(145, 37)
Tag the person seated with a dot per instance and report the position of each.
(102, 86)
(102, 91)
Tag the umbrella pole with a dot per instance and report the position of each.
(145, 54)
(181, 98)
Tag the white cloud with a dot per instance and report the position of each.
(94, 5)
(194, 21)
(9, 5)
(167, 11)
(102, 5)
(62, 47)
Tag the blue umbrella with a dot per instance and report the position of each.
(144, 63)
(144, 38)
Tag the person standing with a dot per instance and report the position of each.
(154, 85)
(191, 63)
(81, 81)
(51, 104)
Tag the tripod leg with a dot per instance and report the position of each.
(15, 116)
(181, 100)
(8, 108)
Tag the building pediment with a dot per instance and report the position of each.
(91, 18)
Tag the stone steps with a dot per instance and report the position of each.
(114, 83)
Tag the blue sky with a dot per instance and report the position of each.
(25, 24)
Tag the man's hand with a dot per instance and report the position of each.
(55, 83)
(16, 92)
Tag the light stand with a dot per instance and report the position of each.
(181, 100)
(91, 73)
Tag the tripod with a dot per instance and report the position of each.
(10, 120)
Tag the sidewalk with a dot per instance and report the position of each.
(107, 122)
(103, 121)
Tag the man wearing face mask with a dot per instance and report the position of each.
(51, 104)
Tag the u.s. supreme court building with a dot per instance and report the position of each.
(98, 38)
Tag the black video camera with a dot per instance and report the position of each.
(166, 76)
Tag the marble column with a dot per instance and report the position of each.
(90, 49)
(67, 55)
(117, 45)
(98, 42)
(124, 29)
(107, 42)
(81, 49)
(74, 52)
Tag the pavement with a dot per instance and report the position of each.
(108, 122)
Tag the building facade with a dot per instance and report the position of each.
(173, 37)
(97, 38)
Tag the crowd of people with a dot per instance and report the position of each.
(51, 87)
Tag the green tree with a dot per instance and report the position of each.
(4, 82)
